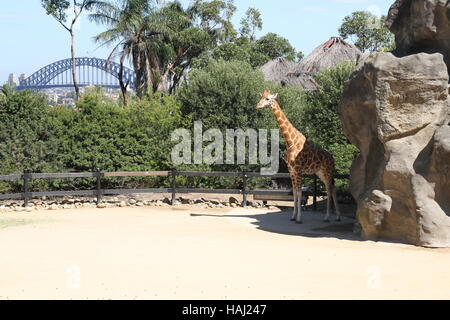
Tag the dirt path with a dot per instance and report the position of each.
(164, 253)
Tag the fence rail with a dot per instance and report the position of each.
(99, 192)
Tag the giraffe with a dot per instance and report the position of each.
(302, 157)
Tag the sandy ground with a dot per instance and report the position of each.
(191, 253)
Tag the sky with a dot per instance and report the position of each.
(30, 39)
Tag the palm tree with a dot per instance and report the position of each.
(160, 41)
(127, 24)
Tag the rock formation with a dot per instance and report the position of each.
(396, 110)
(421, 26)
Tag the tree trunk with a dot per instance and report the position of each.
(123, 86)
(74, 67)
(138, 71)
(162, 85)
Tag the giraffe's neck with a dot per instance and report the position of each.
(292, 136)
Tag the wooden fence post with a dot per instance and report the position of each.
(315, 194)
(174, 185)
(99, 175)
(244, 189)
(26, 187)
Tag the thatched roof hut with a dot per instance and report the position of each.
(329, 55)
(280, 71)
(277, 69)
(300, 75)
(301, 80)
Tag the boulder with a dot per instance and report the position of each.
(214, 202)
(185, 201)
(372, 213)
(396, 111)
(421, 26)
(437, 166)
(233, 200)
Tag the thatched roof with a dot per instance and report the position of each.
(302, 80)
(277, 69)
(329, 55)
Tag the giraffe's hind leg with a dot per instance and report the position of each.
(295, 193)
(329, 187)
(294, 211)
(299, 219)
(327, 216)
(336, 206)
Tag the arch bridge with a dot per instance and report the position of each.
(90, 72)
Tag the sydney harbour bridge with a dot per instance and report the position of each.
(90, 72)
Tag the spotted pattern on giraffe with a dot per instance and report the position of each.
(302, 157)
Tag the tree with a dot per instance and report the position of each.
(192, 31)
(275, 46)
(128, 139)
(320, 118)
(256, 53)
(162, 40)
(27, 140)
(58, 10)
(128, 22)
(223, 95)
(250, 23)
(367, 31)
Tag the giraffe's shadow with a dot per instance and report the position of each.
(279, 222)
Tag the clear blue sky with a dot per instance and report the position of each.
(30, 39)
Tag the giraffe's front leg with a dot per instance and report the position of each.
(294, 212)
(294, 183)
(299, 219)
(327, 217)
(338, 212)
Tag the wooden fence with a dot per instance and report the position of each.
(99, 192)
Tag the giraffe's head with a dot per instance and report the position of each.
(267, 100)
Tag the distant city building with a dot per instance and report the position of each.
(68, 101)
(22, 77)
(52, 98)
(12, 80)
(112, 96)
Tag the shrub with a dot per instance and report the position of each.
(320, 117)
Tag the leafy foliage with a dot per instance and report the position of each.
(98, 134)
(320, 117)
(275, 46)
(254, 52)
(161, 41)
(250, 23)
(368, 32)
(56, 8)
(223, 95)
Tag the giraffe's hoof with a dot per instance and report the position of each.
(326, 220)
(338, 220)
(299, 222)
(292, 219)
